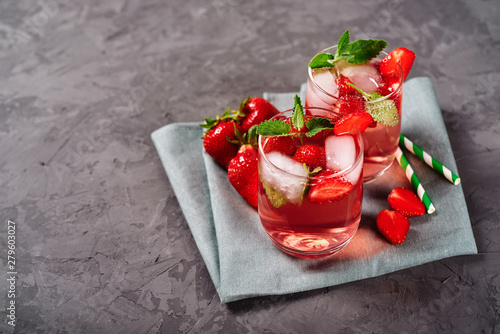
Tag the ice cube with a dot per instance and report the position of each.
(354, 175)
(326, 79)
(289, 186)
(341, 154)
(364, 76)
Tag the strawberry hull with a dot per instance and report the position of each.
(296, 216)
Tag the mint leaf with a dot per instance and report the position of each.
(322, 60)
(383, 111)
(318, 124)
(277, 200)
(298, 118)
(343, 43)
(276, 127)
(363, 50)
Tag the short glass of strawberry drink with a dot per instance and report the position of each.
(310, 185)
(345, 87)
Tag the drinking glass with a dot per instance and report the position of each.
(380, 141)
(293, 218)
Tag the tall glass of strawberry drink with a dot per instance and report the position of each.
(364, 86)
(310, 184)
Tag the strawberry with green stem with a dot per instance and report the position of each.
(242, 171)
(219, 137)
(255, 110)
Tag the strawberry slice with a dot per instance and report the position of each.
(393, 226)
(325, 189)
(388, 66)
(390, 86)
(344, 88)
(405, 201)
(351, 103)
(347, 124)
(312, 155)
(283, 144)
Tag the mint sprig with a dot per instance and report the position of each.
(383, 111)
(279, 127)
(358, 52)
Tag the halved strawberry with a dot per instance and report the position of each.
(326, 188)
(344, 88)
(347, 124)
(283, 144)
(406, 202)
(393, 226)
(390, 86)
(351, 103)
(403, 56)
(312, 155)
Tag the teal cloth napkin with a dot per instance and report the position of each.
(243, 262)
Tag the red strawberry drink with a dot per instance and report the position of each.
(310, 184)
(368, 83)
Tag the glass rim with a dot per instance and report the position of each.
(383, 98)
(356, 136)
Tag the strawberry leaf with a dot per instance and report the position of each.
(251, 136)
(243, 103)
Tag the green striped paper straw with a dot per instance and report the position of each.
(410, 175)
(430, 161)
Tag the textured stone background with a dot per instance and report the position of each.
(102, 245)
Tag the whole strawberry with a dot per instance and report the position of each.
(280, 144)
(220, 139)
(312, 155)
(255, 110)
(243, 173)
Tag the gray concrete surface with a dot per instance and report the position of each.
(101, 243)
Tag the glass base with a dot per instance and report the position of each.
(310, 254)
(372, 171)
